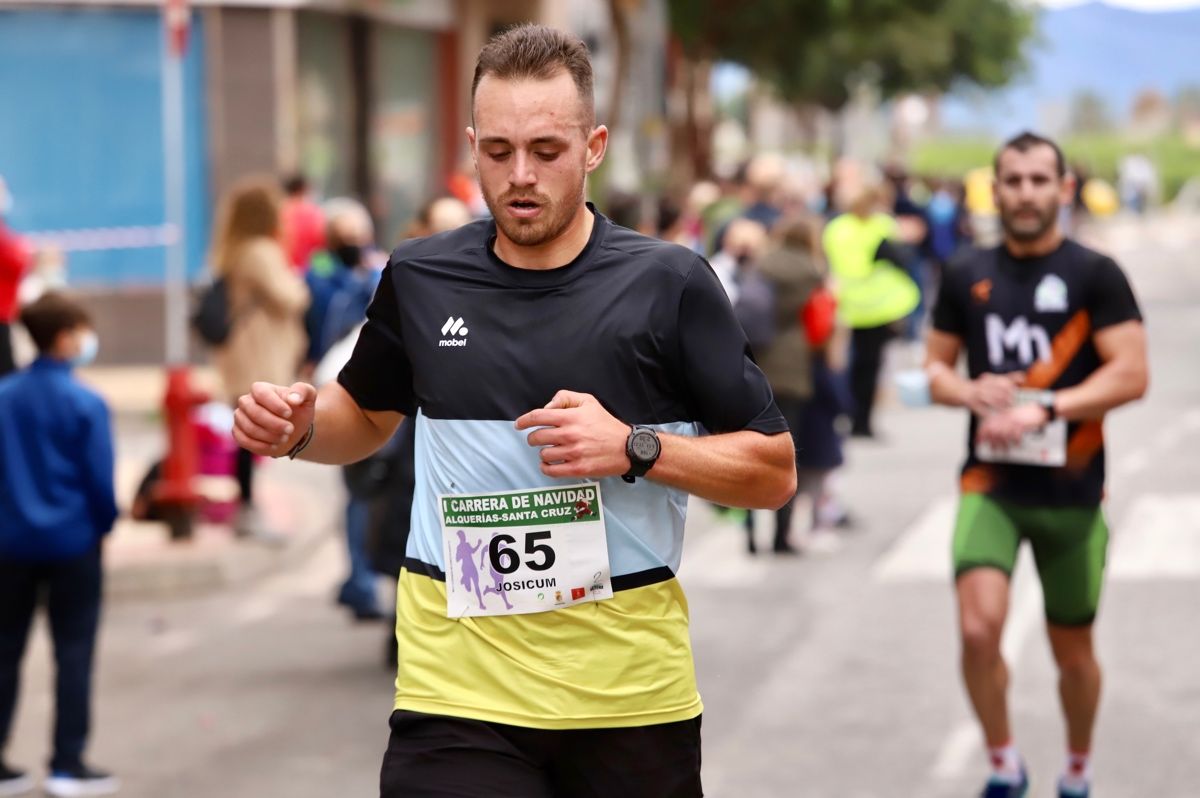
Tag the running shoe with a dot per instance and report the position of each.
(14, 782)
(1072, 792)
(1003, 789)
(80, 781)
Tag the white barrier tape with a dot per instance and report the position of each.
(106, 238)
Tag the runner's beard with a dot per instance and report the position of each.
(555, 217)
(1028, 229)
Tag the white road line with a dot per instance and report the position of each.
(1132, 463)
(1159, 538)
(1165, 439)
(922, 552)
(961, 745)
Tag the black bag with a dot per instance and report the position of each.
(755, 310)
(212, 321)
(391, 508)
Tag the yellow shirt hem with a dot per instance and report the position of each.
(651, 718)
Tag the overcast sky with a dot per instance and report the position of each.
(1140, 5)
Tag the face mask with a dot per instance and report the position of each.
(89, 347)
(349, 254)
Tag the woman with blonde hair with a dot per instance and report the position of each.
(267, 301)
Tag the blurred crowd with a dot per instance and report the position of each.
(822, 275)
(825, 269)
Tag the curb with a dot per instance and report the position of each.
(141, 562)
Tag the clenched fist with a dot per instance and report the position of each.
(271, 419)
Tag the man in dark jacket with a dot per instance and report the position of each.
(56, 502)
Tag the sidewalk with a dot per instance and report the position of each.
(303, 501)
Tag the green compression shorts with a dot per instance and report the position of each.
(1069, 546)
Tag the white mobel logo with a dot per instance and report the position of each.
(1020, 336)
(452, 328)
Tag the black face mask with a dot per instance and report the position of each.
(349, 254)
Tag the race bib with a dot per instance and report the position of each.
(524, 551)
(1041, 447)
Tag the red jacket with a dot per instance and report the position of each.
(15, 256)
(303, 231)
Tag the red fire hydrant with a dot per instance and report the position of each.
(175, 490)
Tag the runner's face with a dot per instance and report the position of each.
(533, 148)
(1029, 192)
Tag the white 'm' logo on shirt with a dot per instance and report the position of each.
(452, 328)
(1020, 337)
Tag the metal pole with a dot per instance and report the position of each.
(175, 199)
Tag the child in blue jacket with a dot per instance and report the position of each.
(56, 504)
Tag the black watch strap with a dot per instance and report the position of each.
(1047, 402)
(637, 466)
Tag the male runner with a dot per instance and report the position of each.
(1054, 340)
(572, 381)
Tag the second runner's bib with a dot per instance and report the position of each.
(1041, 447)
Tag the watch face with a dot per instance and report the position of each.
(644, 446)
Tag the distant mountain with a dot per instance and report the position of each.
(1114, 52)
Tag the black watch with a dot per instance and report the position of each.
(1046, 400)
(643, 447)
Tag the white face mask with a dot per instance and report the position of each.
(89, 347)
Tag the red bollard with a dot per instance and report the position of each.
(175, 491)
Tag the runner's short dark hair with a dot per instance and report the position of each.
(1023, 142)
(49, 316)
(537, 52)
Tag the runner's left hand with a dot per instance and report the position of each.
(578, 437)
(1008, 427)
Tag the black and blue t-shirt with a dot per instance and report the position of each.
(467, 344)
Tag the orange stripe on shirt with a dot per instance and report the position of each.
(1084, 445)
(1066, 345)
(978, 479)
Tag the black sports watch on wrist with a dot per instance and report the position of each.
(1046, 400)
(643, 448)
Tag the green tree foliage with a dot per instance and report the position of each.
(813, 51)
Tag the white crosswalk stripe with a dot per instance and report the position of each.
(1159, 537)
(922, 552)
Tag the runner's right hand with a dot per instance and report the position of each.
(991, 393)
(271, 419)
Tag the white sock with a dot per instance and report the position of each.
(1077, 774)
(1006, 763)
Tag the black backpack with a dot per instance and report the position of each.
(755, 310)
(212, 321)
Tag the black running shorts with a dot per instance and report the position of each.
(434, 756)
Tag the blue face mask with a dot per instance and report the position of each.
(89, 347)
